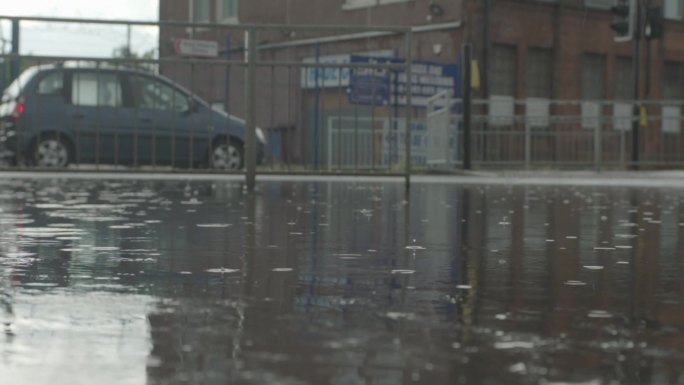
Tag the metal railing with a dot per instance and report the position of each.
(293, 93)
(335, 99)
(560, 134)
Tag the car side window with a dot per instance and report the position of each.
(52, 84)
(96, 89)
(153, 94)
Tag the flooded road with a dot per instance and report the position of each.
(171, 282)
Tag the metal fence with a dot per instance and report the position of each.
(214, 97)
(559, 134)
(294, 99)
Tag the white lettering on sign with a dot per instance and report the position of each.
(333, 77)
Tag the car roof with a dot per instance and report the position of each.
(107, 66)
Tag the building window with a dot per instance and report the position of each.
(356, 4)
(199, 11)
(539, 73)
(673, 80)
(227, 10)
(672, 9)
(599, 4)
(593, 76)
(623, 78)
(504, 69)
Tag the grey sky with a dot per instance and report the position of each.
(59, 39)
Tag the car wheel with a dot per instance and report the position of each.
(51, 152)
(227, 155)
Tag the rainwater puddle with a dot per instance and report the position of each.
(174, 282)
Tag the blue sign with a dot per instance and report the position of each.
(384, 87)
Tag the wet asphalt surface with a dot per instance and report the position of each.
(172, 282)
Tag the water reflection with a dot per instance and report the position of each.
(340, 283)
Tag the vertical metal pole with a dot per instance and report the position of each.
(528, 140)
(467, 100)
(128, 40)
(635, 111)
(317, 108)
(14, 63)
(250, 100)
(409, 105)
(3, 64)
(598, 147)
(394, 145)
(226, 91)
(226, 96)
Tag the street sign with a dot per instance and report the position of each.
(384, 87)
(333, 77)
(189, 47)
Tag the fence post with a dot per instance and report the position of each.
(467, 99)
(409, 105)
(317, 110)
(250, 119)
(14, 63)
(598, 147)
(528, 144)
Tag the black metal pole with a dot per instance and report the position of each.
(636, 70)
(14, 63)
(467, 97)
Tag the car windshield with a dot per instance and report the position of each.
(14, 89)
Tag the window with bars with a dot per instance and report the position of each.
(593, 76)
(623, 78)
(503, 69)
(673, 80)
(227, 10)
(539, 72)
(199, 11)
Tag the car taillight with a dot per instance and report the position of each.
(20, 108)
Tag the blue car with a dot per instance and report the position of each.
(79, 113)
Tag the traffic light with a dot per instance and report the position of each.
(624, 20)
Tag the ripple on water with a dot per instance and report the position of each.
(403, 271)
(222, 270)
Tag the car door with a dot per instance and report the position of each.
(100, 123)
(169, 120)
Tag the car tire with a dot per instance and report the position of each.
(227, 154)
(51, 151)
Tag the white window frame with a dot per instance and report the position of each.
(359, 4)
(229, 20)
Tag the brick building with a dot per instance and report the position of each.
(543, 49)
